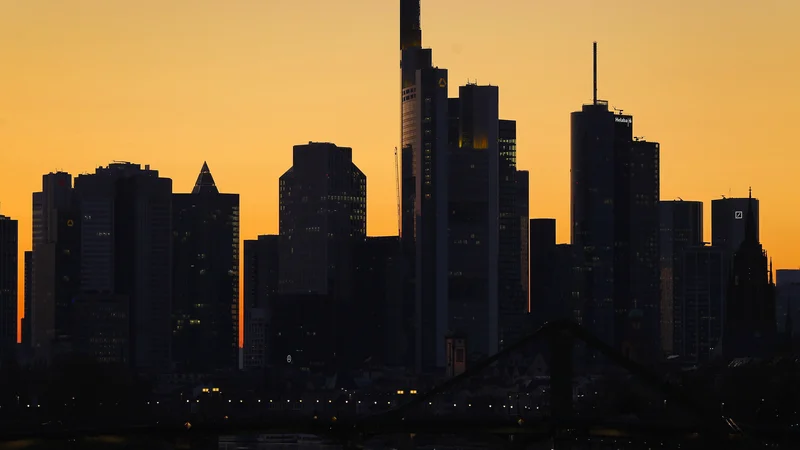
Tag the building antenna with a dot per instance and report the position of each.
(594, 72)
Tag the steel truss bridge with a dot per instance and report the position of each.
(708, 426)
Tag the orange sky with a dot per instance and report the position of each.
(238, 82)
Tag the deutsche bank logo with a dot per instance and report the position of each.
(737, 215)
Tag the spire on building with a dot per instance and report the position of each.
(205, 182)
(750, 223)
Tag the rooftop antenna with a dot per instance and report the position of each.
(594, 72)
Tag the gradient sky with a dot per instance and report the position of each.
(172, 83)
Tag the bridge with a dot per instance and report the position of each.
(707, 427)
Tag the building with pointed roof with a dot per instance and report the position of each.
(205, 319)
(750, 328)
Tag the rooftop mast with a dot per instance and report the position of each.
(594, 72)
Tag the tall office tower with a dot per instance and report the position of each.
(428, 112)
(474, 215)
(513, 237)
(260, 291)
(55, 255)
(523, 215)
(126, 256)
(749, 327)
(551, 270)
(728, 222)
(787, 298)
(424, 138)
(377, 328)
(205, 305)
(323, 212)
(9, 235)
(606, 192)
(681, 227)
(643, 251)
(27, 299)
(698, 321)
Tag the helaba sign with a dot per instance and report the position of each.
(622, 119)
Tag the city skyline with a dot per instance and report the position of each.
(548, 163)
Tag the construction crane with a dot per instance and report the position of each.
(397, 188)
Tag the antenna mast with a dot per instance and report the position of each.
(594, 72)
(397, 188)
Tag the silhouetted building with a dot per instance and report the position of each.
(698, 321)
(261, 275)
(323, 207)
(750, 328)
(425, 112)
(728, 221)
(101, 327)
(681, 227)
(126, 250)
(323, 213)
(473, 223)
(513, 237)
(9, 246)
(614, 214)
(550, 274)
(377, 328)
(643, 228)
(205, 306)
(27, 299)
(787, 303)
(54, 263)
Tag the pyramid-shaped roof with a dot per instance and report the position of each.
(205, 182)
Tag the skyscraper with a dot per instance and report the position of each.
(54, 263)
(27, 299)
(787, 303)
(205, 307)
(728, 221)
(323, 211)
(473, 224)
(9, 235)
(699, 320)
(750, 328)
(323, 207)
(614, 213)
(126, 254)
(260, 291)
(681, 228)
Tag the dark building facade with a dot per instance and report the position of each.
(323, 206)
(323, 212)
(261, 289)
(52, 283)
(377, 319)
(9, 246)
(699, 319)
(643, 180)
(513, 237)
(101, 324)
(551, 269)
(474, 228)
(27, 299)
(614, 214)
(681, 228)
(126, 250)
(750, 328)
(728, 221)
(205, 306)
(787, 302)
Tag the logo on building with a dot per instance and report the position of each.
(442, 82)
(70, 223)
(737, 215)
(621, 119)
